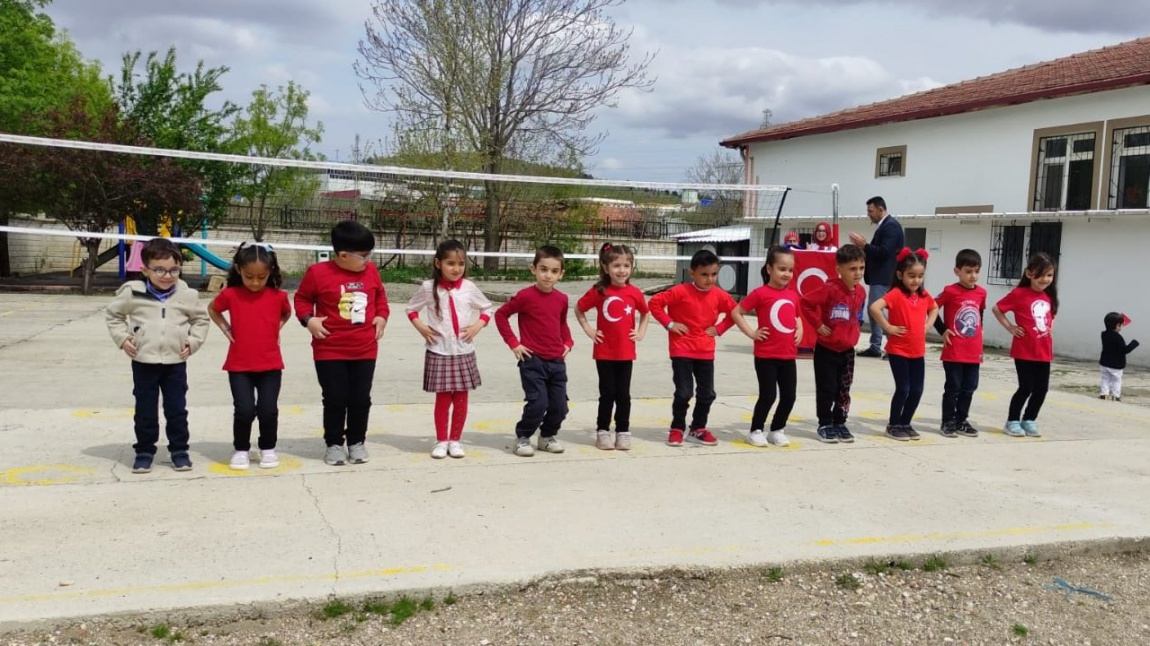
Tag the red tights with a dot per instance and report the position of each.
(443, 402)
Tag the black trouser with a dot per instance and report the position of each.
(697, 375)
(909, 375)
(256, 394)
(834, 375)
(961, 382)
(614, 391)
(774, 374)
(149, 381)
(545, 392)
(346, 386)
(1033, 382)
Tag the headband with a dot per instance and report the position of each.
(253, 243)
(921, 254)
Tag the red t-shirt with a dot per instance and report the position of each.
(838, 308)
(1033, 311)
(255, 318)
(542, 318)
(350, 300)
(698, 310)
(961, 313)
(778, 311)
(908, 311)
(615, 311)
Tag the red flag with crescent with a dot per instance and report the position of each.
(812, 269)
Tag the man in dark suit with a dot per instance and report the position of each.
(881, 258)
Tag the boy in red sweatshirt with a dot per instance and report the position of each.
(343, 304)
(690, 313)
(835, 310)
(543, 343)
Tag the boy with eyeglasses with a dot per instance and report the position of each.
(159, 322)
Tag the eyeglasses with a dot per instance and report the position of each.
(165, 273)
(364, 256)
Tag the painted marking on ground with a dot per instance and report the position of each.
(43, 474)
(287, 465)
(932, 537)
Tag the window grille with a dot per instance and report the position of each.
(1065, 173)
(1130, 168)
(1011, 246)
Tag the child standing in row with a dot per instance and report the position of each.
(1113, 359)
(616, 302)
(541, 348)
(961, 306)
(159, 322)
(257, 308)
(780, 329)
(456, 311)
(1034, 304)
(690, 312)
(910, 311)
(836, 308)
(343, 304)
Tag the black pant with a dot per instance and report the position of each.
(961, 382)
(774, 374)
(909, 375)
(696, 375)
(346, 387)
(256, 394)
(545, 392)
(834, 375)
(614, 391)
(1033, 382)
(149, 380)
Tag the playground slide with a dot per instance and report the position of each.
(208, 256)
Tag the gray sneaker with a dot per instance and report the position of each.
(604, 441)
(622, 441)
(550, 444)
(335, 456)
(523, 447)
(357, 453)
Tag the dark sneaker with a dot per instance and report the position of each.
(966, 430)
(143, 463)
(827, 435)
(844, 434)
(181, 461)
(895, 432)
(873, 353)
(911, 433)
(949, 429)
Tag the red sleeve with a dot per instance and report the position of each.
(658, 305)
(285, 306)
(564, 329)
(726, 304)
(223, 301)
(640, 301)
(503, 320)
(1009, 302)
(589, 301)
(751, 302)
(812, 305)
(943, 297)
(305, 295)
(381, 306)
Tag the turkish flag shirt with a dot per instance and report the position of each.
(908, 311)
(777, 311)
(1034, 312)
(256, 319)
(961, 313)
(615, 310)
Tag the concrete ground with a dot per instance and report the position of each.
(81, 535)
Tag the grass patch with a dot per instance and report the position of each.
(901, 564)
(160, 632)
(934, 563)
(1029, 558)
(403, 608)
(450, 599)
(376, 607)
(878, 567)
(989, 561)
(774, 575)
(335, 608)
(848, 581)
(1018, 630)
(269, 641)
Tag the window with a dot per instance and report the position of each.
(890, 162)
(1011, 245)
(1066, 163)
(1129, 168)
(914, 237)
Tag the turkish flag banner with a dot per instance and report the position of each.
(812, 269)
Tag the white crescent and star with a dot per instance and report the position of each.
(607, 309)
(807, 273)
(776, 309)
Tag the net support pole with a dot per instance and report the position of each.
(835, 213)
(774, 237)
(120, 251)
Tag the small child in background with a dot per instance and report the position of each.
(343, 304)
(1113, 359)
(836, 308)
(542, 346)
(690, 312)
(456, 311)
(159, 322)
(616, 303)
(961, 306)
(910, 310)
(257, 309)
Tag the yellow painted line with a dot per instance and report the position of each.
(190, 586)
(49, 474)
(495, 426)
(988, 396)
(950, 536)
(294, 409)
(115, 413)
(287, 465)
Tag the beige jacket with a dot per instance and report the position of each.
(158, 329)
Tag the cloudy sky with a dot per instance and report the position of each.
(719, 62)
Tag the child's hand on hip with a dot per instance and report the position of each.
(947, 337)
(824, 330)
(315, 326)
(428, 333)
(186, 351)
(129, 348)
(472, 331)
(521, 353)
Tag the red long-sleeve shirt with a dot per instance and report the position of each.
(698, 310)
(350, 300)
(542, 320)
(837, 307)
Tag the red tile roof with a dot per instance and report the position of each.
(1123, 65)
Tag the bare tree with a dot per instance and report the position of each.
(505, 78)
(720, 167)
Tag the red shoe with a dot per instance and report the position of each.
(703, 436)
(675, 437)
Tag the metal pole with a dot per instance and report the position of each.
(778, 214)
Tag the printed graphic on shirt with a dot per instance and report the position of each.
(353, 304)
(841, 312)
(626, 310)
(780, 321)
(967, 321)
(1040, 310)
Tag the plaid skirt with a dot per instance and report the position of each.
(450, 373)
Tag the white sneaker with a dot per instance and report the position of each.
(455, 450)
(269, 459)
(755, 438)
(550, 444)
(523, 447)
(240, 461)
(778, 438)
(440, 450)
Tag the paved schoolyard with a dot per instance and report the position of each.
(81, 535)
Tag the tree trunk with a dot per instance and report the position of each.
(493, 233)
(93, 247)
(5, 260)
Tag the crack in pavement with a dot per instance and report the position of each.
(15, 342)
(330, 528)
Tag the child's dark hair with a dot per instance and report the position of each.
(349, 235)
(772, 257)
(849, 253)
(159, 249)
(1112, 321)
(250, 252)
(1039, 264)
(548, 251)
(967, 258)
(906, 260)
(704, 258)
(441, 251)
(608, 254)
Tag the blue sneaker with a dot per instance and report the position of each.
(1014, 429)
(1030, 427)
(844, 434)
(181, 461)
(828, 435)
(143, 463)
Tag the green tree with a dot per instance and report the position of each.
(275, 124)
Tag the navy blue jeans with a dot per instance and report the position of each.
(545, 392)
(346, 387)
(961, 382)
(696, 375)
(150, 381)
(909, 375)
(256, 394)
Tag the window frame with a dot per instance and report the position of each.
(888, 151)
(1108, 181)
(1093, 127)
(997, 274)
